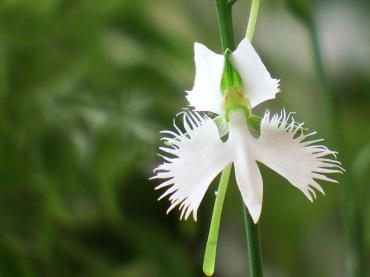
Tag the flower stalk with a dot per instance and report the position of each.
(211, 247)
(252, 19)
(224, 12)
(253, 245)
(251, 229)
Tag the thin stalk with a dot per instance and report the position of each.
(251, 229)
(225, 22)
(254, 245)
(223, 8)
(211, 247)
(224, 13)
(352, 215)
(252, 19)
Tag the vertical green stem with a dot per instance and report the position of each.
(211, 247)
(352, 214)
(224, 13)
(252, 19)
(254, 245)
(225, 21)
(227, 41)
(251, 229)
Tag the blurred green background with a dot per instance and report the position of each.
(85, 88)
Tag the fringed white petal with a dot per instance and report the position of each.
(192, 160)
(285, 148)
(206, 94)
(259, 86)
(247, 173)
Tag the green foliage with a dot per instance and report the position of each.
(78, 120)
(302, 9)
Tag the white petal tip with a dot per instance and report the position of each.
(255, 211)
(198, 44)
(195, 218)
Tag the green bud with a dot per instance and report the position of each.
(230, 77)
(232, 89)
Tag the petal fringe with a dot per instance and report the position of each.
(192, 160)
(284, 147)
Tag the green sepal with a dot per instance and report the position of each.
(230, 77)
(253, 121)
(222, 125)
(254, 124)
(232, 89)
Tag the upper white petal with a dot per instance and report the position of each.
(192, 160)
(206, 94)
(258, 84)
(247, 173)
(283, 147)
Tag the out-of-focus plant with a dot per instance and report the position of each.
(352, 204)
(76, 114)
(301, 9)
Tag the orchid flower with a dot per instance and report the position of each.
(195, 156)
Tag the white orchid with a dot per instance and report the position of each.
(193, 158)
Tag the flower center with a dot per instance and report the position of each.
(232, 90)
(234, 100)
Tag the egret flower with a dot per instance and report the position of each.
(193, 157)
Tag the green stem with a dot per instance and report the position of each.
(223, 8)
(254, 245)
(252, 19)
(251, 229)
(352, 215)
(211, 247)
(224, 13)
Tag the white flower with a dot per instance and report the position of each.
(195, 157)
